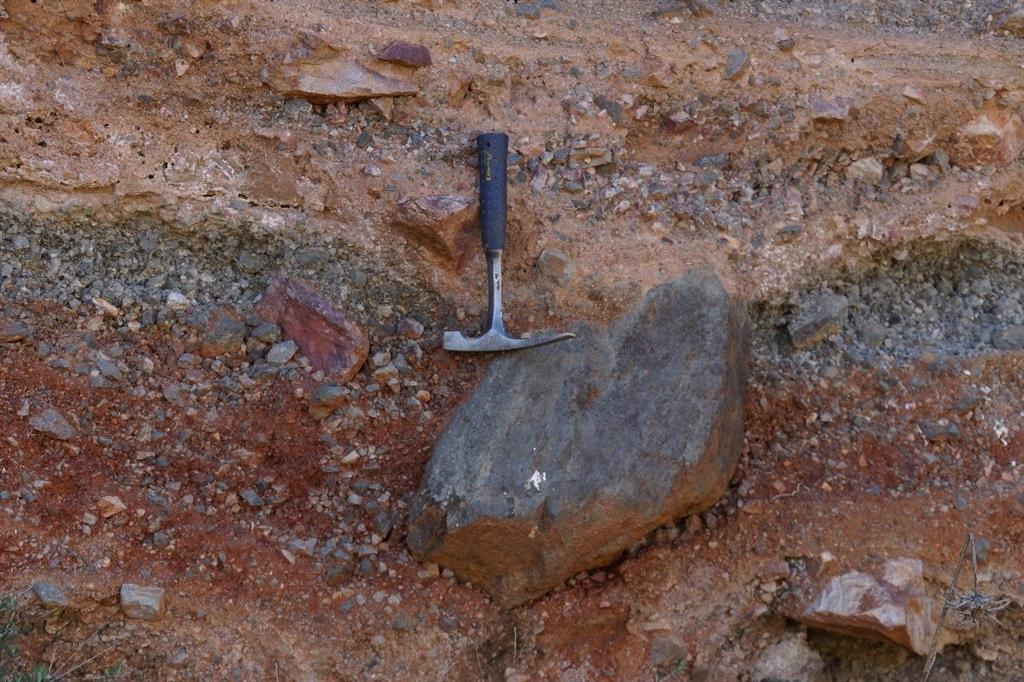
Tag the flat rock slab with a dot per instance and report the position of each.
(12, 331)
(331, 342)
(330, 75)
(567, 454)
(407, 54)
(889, 607)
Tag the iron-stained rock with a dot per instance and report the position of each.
(994, 136)
(569, 453)
(889, 608)
(329, 340)
(443, 224)
(110, 505)
(1009, 20)
(329, 75)
(407, 54)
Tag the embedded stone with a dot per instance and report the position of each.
(569, 453)
(330, 341)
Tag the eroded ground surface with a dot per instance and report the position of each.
(151, 177)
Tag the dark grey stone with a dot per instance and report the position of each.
(666, 653)
(109, 369)
(326, 399)
(567, 454)
(610, 107)
(49, 594)
(252, 498)
(737, 64)
(1010, 338)
(53, 424)
(14, 331)
(531, 10)
(819, 317)
(938, 431)
(267, 332)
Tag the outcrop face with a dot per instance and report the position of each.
(567, 454)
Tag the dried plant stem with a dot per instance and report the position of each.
(950, 594)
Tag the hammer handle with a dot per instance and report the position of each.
(492, 159)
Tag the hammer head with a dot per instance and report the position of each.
(495, 341)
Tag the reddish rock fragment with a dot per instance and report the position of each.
(332, 343)
(994, 136)
(657, 73)
(409, 54)
(442, 224)
(836, 109)
(410, 328)
(891, 608)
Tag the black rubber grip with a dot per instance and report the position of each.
(492, 158)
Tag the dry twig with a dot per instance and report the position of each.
(970, 605)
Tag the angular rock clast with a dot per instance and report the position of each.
(820, 316)
(110, 505)
(569, 453)
(49, 595)
(142, 602)
(869, 170)
(225, 333)
(329, 75)
(443, 224)
(789, 659)
(407, 54)
(53, 424)
(12, 331)
(994, 136)
(326, 399)
(331, 342)
(890, 608)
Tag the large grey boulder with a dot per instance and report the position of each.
(567, 454)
